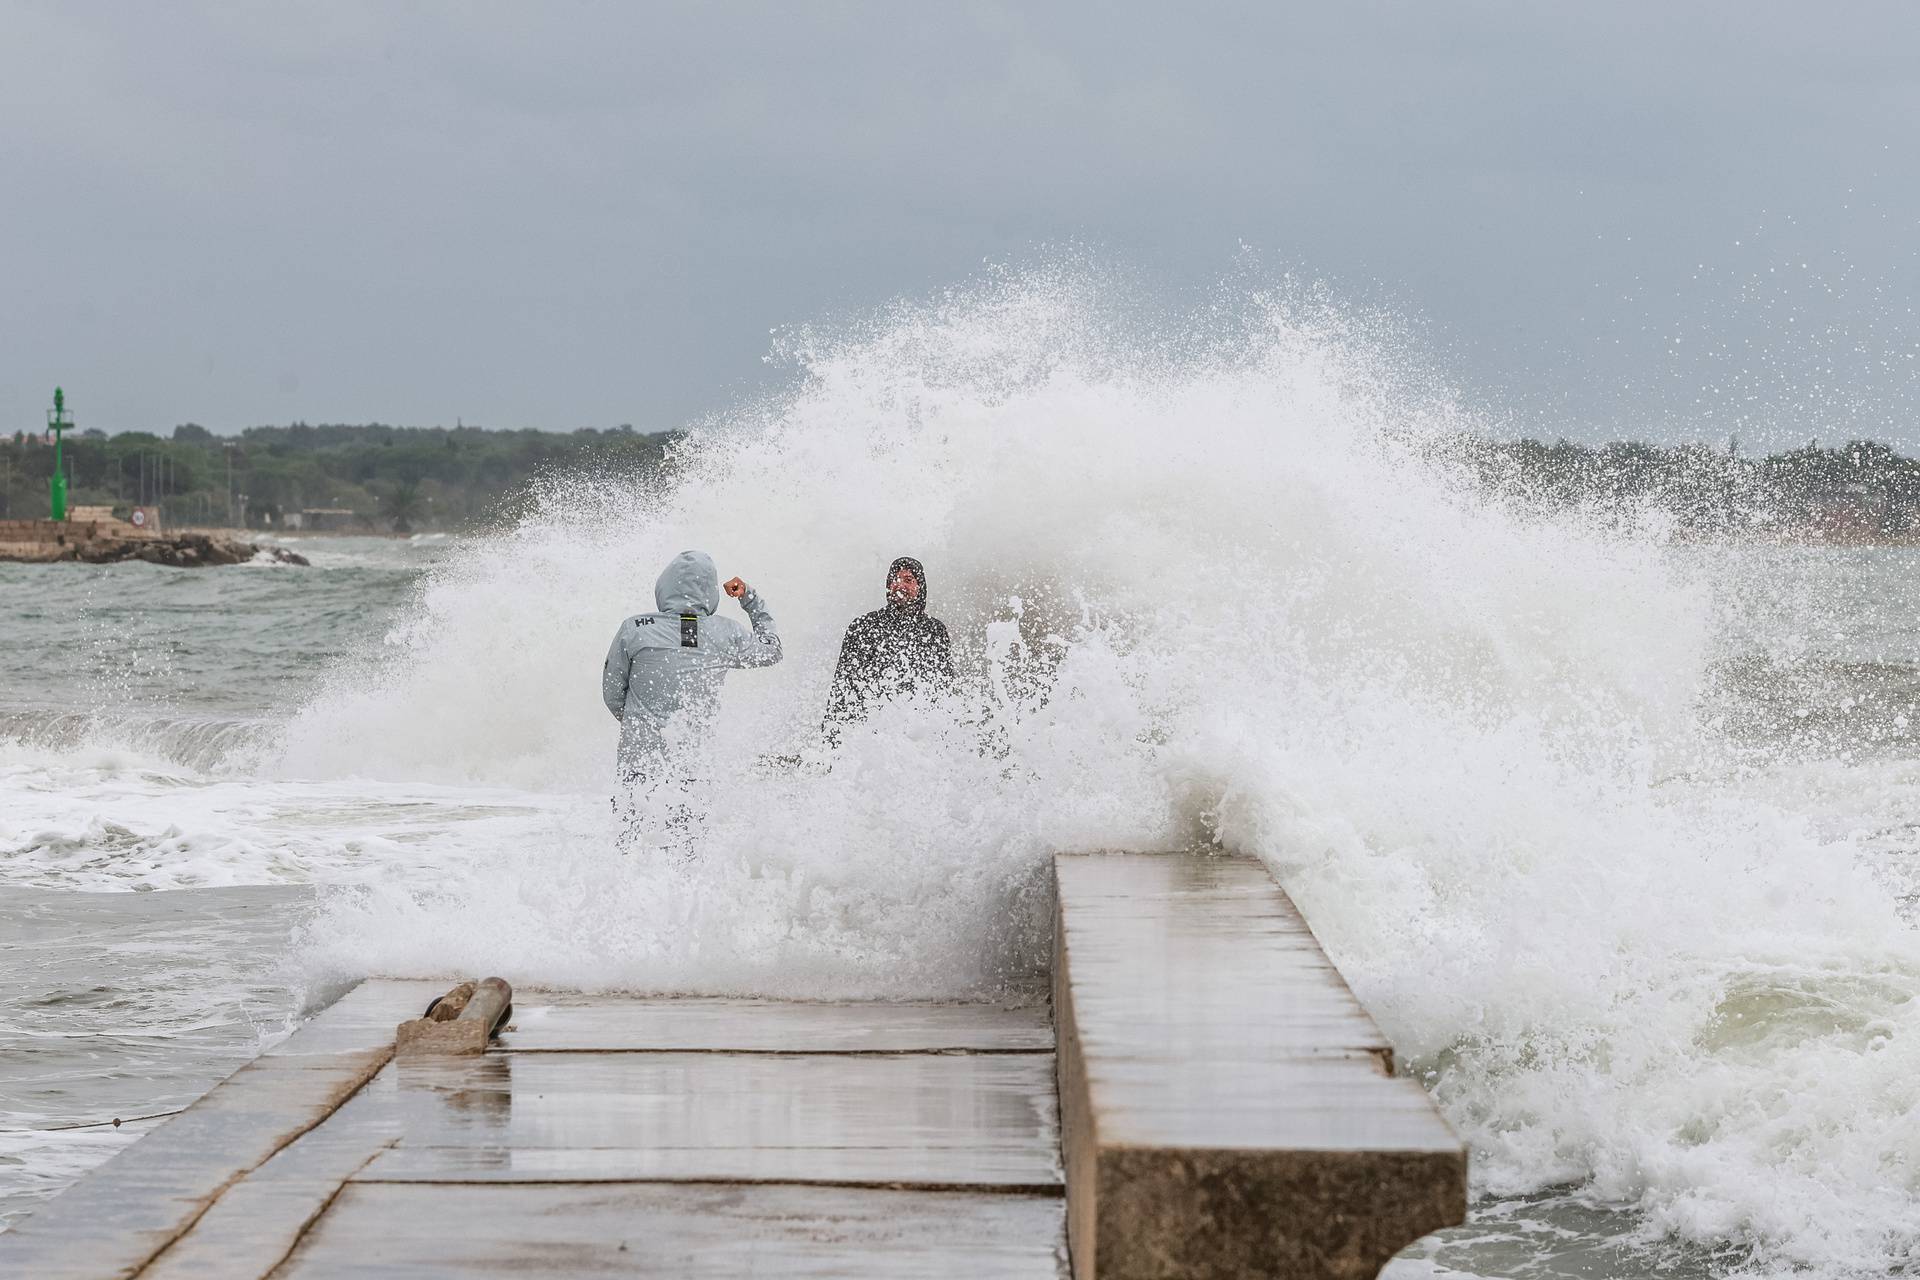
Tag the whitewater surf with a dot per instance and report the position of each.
(1217, 584)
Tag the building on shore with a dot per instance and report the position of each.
(324, 520)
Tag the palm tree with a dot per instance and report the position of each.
(403, 504)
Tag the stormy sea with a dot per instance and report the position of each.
(1617, 835)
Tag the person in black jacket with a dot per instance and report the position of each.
(891, 651)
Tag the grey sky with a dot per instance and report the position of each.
(585, 214)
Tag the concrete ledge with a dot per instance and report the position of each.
(118, 1218)
(1228, 1109)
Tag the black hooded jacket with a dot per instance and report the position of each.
(895, 650)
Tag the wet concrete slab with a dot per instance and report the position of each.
(116, 1219)
(389, 1232)
(1215, 1069)
(930, 1119)
(828, 1145)
(562, 1023)
(254, 1225)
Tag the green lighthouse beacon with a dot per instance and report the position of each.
(57, 421)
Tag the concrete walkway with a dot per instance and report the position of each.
(1230, 1111)
(602, 1136)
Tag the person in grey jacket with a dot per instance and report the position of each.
(669, 664)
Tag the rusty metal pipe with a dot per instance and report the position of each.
(483, 1013)
(489, 1005)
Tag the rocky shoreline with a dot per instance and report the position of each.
(103, 542)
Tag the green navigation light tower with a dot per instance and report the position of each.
(58, 420)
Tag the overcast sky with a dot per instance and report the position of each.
(1678, 220)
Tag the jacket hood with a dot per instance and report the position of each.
(689, 584)
(920, 572)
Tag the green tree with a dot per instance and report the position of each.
(403, 504)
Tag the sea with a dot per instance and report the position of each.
(1616, 833)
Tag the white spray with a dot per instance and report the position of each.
(1214, 596)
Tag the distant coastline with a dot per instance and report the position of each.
(1861, 493)
(374, 479)
(312, 479)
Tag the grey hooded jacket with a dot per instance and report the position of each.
(671, 663)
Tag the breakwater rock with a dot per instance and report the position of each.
(112, 541)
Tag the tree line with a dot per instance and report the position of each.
(375, 477)
(1860, 491)
(370, 477)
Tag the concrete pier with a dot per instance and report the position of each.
(1229, 1110)
(601, 1136)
